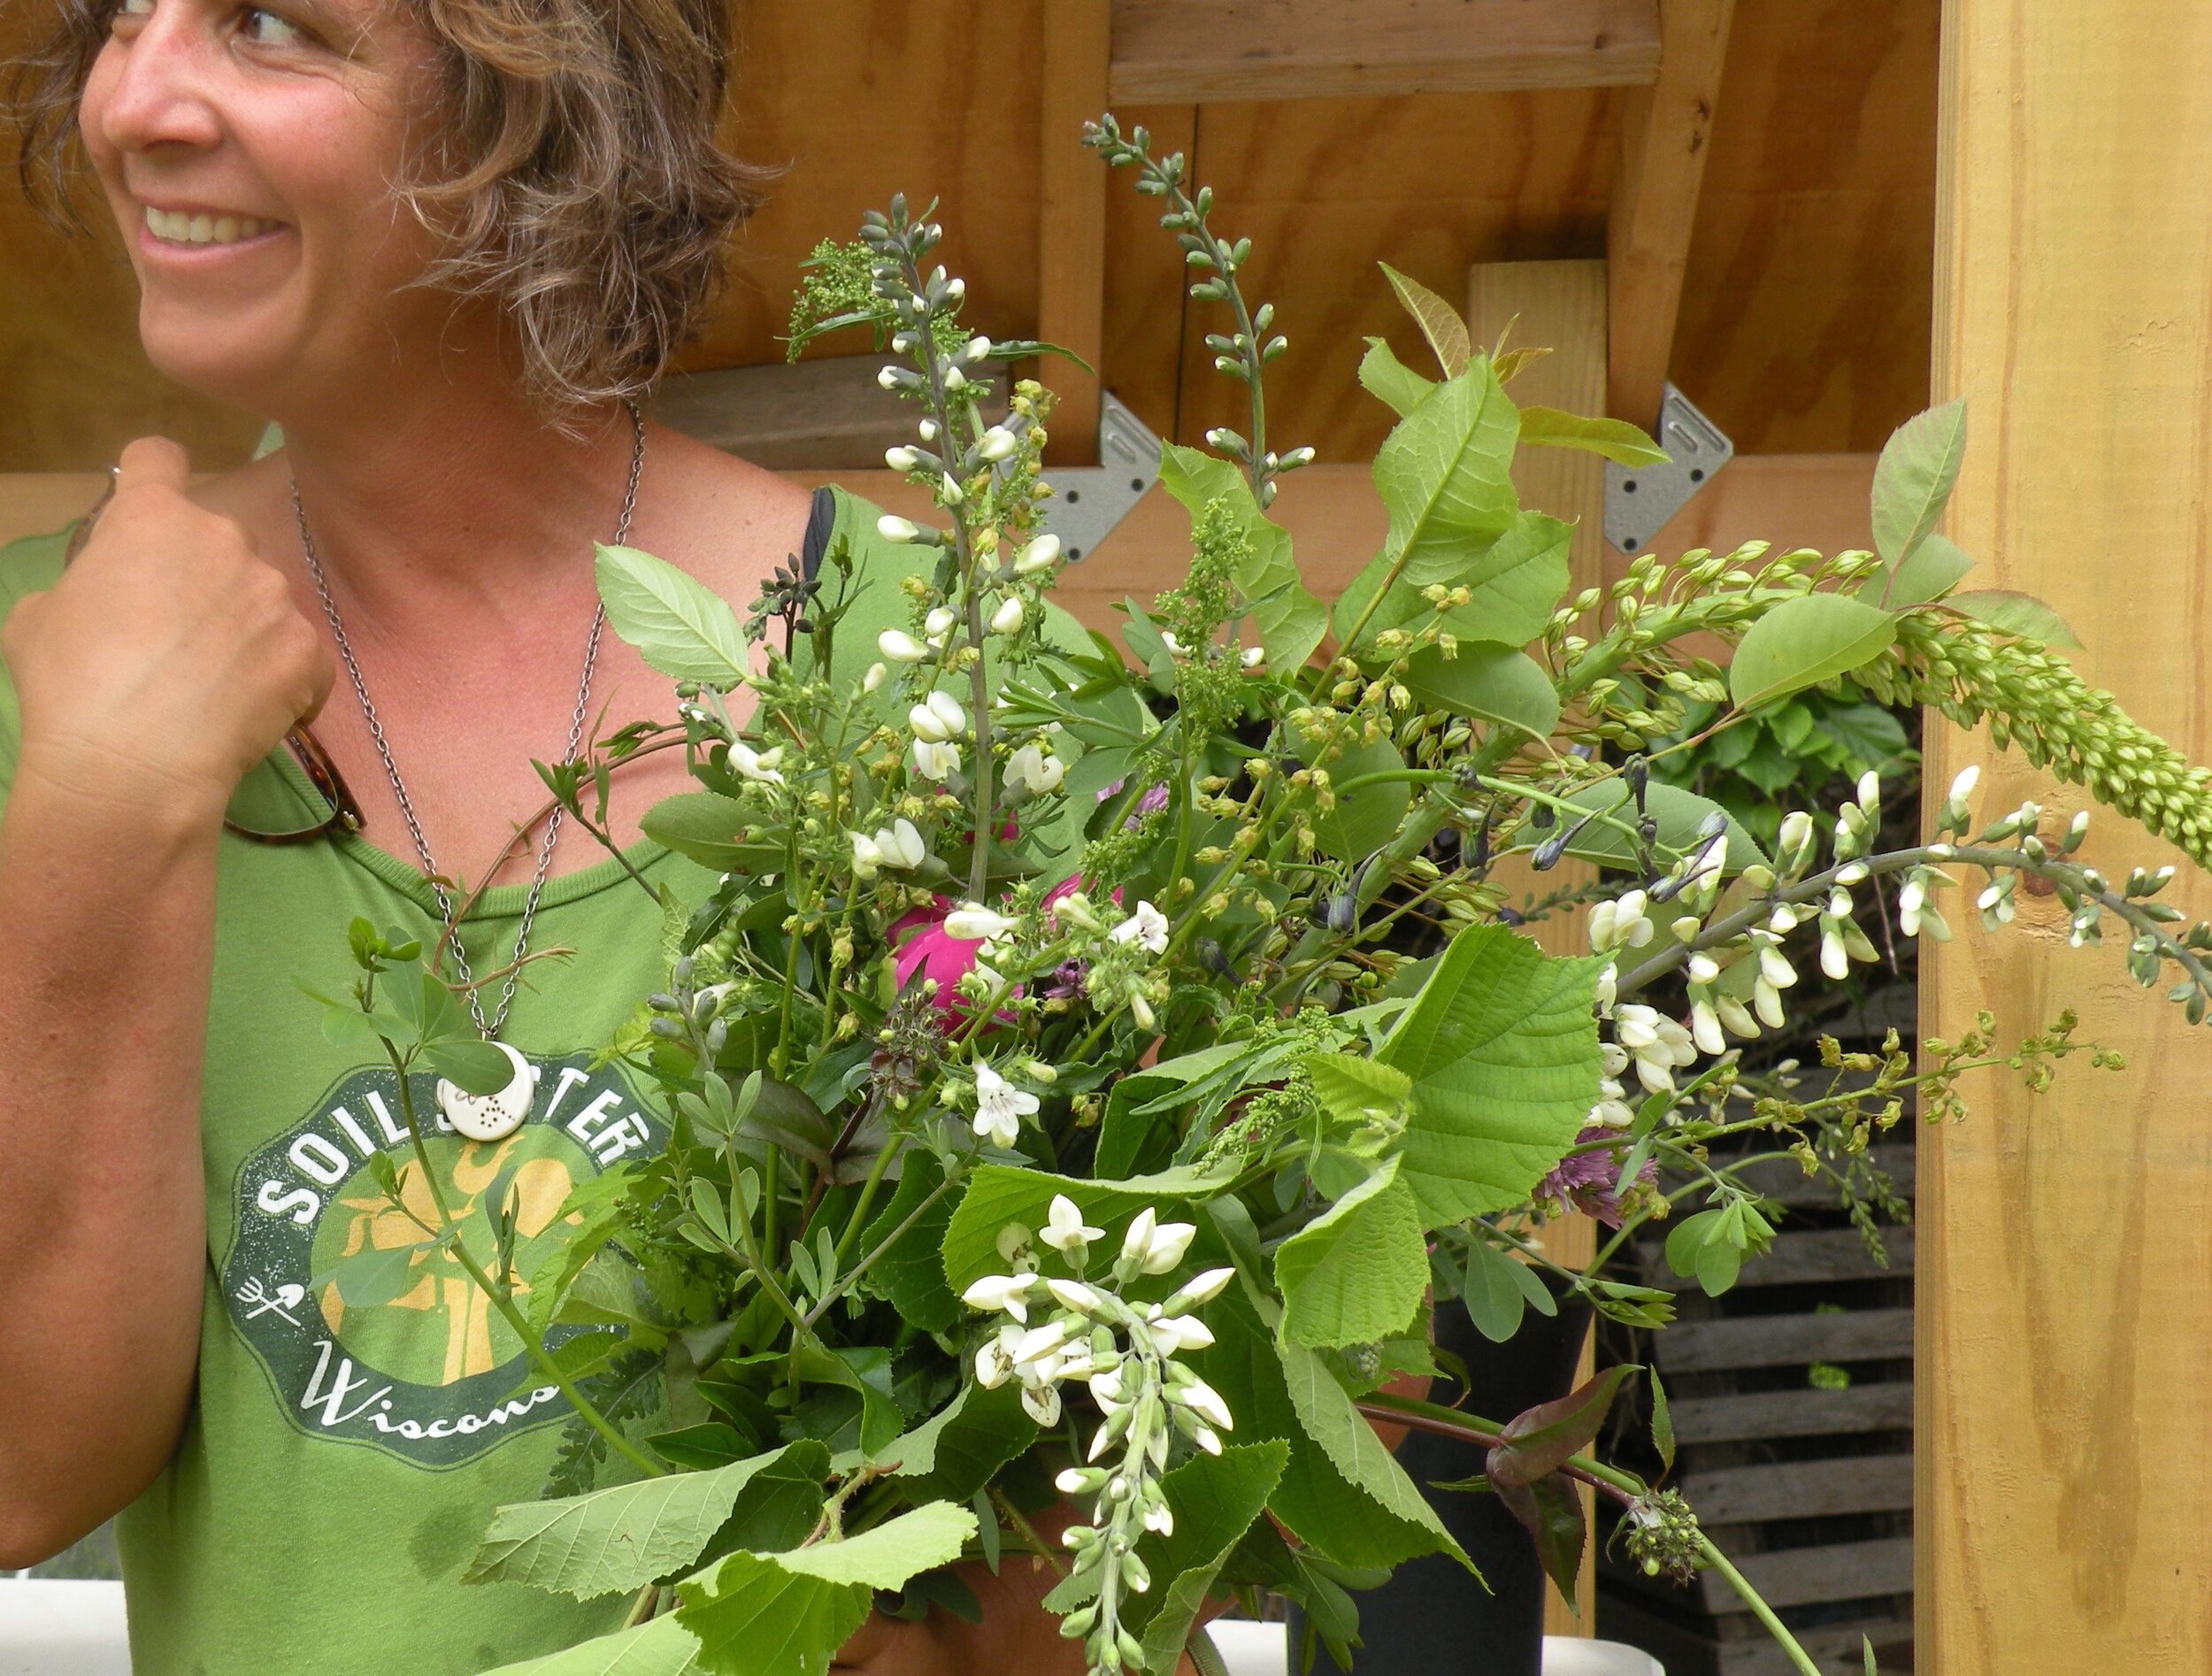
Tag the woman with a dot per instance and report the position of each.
(445, 244)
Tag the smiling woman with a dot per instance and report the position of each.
(449, 246)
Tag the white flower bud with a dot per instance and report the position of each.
(1040, 554)
(947, 709)
(998, 444)
(901, 459)
(1007, 619)
(874, 678)
(978, 347)
(892, 527)
(939, 621)
(924, 722)
(972, 922)
(1962, 788)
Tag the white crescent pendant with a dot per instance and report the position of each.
(490, 1116)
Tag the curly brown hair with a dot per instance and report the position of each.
(575, 176)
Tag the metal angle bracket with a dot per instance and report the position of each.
(1639, 499)
(1088, 501)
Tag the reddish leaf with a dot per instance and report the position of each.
(1543, 1439)
(1551, 1508)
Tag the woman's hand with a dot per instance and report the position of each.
(168, 659)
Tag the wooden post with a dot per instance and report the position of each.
(1663, 131)
(1560, 306)
(1071, 222)
(2064, 1462)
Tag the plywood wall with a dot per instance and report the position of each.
(1805, 319)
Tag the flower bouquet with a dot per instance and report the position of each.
(1097, 1063)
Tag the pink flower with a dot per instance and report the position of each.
(933, 952)
(1585, 1180)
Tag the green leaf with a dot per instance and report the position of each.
(1498, 1291)
(1438, 321)
(678, 625)
(663, 1646)
(371, 1278)
(1930, 571)
(475, 1067)
(1913, 478)
(1503, 1048)
(1623, 443)
(702, 826)
(1541, 1440)
(1678, 814)
(1356, 1272)
(865, 1369)
(1867, 735)
(1290, 620)
(1515, 582)
(1390, 381)
(615, 1541)
(2010, 612)
(1344, 1436)
(786, 1614)
(1494, 683)
(1354, 1089)
(910, 1273)
(1214, 1500)
(1444, 474)
(1661, 1423)
(958, 1450)
(1803, 641)
(1369, 818)
(999, 1194)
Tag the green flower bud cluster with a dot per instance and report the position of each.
(2034, 701)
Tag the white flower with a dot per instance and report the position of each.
(756, 765)
(939, 621)
(1158, 1519)
(1170, 643)
(978, 348)
(1042, 1402)
(874, 678)
(891, 377)
(928, 429)
(1254, 657)
(972, 922)
(947, 709)
(1153, 1247)
(1962, 788)
(1033, 773)
(1796, 833)
(1106, 1389)
(1202, 1400)
(1734, 1015)
(1705, 1027)
(1147, 925)
(949, 491)
(1005, 1293)
(1140, 1010)
(1766, 1001)
(1774, 967)
(1000, 1107)
(1658, 1045)
(1064, 1229)
(1207, 1438)
(1037, 1353)
(955, 289)
(1175, 1334)
(1040, 554)
(1703, 968)
(866, 857)
(1073, 1295)
(936, 761)
(998, 444)
(898, 845)
(1007, 617)
(892, 527)
(1204, 1290)
(1834, 960)
(901, 459)
(927, 725)
(954, 379)
(993, 1366)
(901, 646)
(1870, 790)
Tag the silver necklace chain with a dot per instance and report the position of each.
(490, 1026)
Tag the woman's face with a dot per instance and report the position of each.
(249, 154)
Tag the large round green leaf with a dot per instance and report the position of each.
(1803, 641)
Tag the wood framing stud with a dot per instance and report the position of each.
(1071, 222)
(1663, 133)
(1174, 51)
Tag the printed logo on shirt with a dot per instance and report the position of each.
(434, 1375)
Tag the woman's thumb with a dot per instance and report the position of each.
(151, 462)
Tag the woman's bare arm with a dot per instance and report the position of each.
(167, 660)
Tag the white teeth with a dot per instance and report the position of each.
(177, 226)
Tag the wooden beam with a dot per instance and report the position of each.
(1071, 221)
(1168, 51)
(808, 414)
(1664, 132)
(2065, 1328)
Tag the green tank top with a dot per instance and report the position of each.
(340, 1464)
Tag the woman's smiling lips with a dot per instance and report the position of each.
(170, 232)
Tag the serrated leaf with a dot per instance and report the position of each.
(680, 626)
(1515, 583)
(1354, 1089)
(1618, 440)
(1802, 642)
(702, 826)
(1931, 570)
(1356, 1273)
(786, 1614)
(1914, 479)
(1391, 381)
(1445, 475)
(2011, 612)
(660, 1648)
(1495, 684)
(615, 1541)
(1344, 1436)
(1502, 1046)
(955, 1453)
(1214, 1500)
(1438, 319)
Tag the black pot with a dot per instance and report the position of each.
(1431, 1619)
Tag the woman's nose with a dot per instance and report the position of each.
(160, 93)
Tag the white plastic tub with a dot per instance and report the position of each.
(1262, 1649)
(51, 1628)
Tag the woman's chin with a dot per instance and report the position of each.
(244, 376)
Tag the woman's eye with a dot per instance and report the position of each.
(263, 27)
(134, 9)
